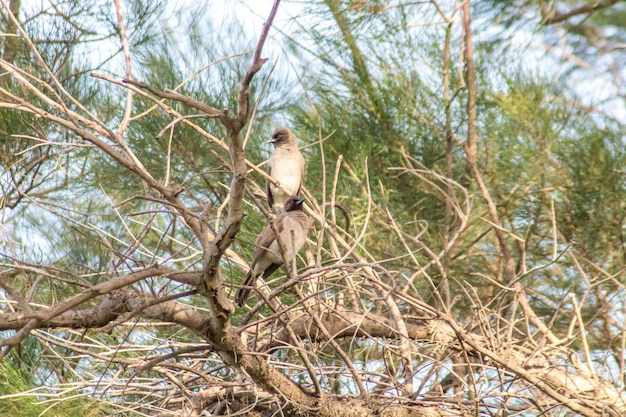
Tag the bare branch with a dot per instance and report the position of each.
(257, 62)
(181, 98)
(550, 17)
(127, 62)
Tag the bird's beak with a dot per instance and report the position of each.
(300, 201)
(271, 140)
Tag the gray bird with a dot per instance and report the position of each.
(286, 165)
(267, 255)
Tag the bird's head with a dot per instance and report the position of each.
(294, 203)
(282, 136)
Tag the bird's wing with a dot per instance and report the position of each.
(244, 292)
(261, 257)
(263, 243)
(268, 190)
(270, 269)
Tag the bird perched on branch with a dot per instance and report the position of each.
(267, 255)
(286, 166)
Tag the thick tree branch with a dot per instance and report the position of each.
(219, 331)
(61, 315)
(389, 338)
(346, 324)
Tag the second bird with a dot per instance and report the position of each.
(267, 258)
(286, 165)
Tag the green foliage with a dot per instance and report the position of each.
(593, 205)
(15, 380)
(543, 158)
(368, 89)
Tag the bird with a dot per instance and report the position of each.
(267, 256)
(286, 166)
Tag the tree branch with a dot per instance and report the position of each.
(550, 17)
(9, 51)
(257, 62)
(211, 112)
(61, 314)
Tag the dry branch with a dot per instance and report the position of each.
(365, 322)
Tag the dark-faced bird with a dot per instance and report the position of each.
(286, 166)
(267, 254)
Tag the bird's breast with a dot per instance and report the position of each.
(287, 170)
(293, 235)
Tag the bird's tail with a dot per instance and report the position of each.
(244, 292)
